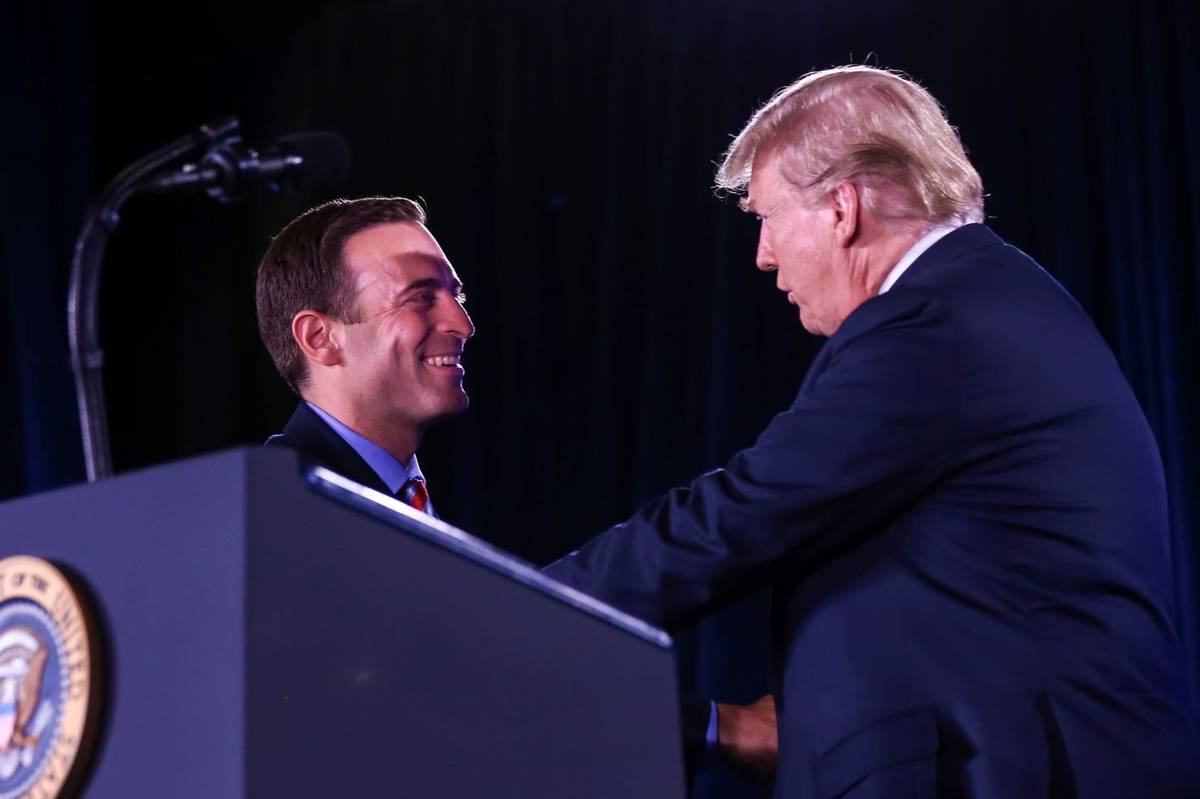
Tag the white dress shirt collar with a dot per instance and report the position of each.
(931, 238)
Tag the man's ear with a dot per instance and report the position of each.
(315, 334)
(846, 210)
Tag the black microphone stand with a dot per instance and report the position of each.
(83, 329)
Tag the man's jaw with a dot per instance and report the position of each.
(794, 301)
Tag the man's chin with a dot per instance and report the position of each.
(448, 407)
(818, 327)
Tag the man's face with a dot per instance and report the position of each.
(401, 359)
(797, 242)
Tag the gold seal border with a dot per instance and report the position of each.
(39, 581)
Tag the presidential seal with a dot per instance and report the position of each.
(47, 681)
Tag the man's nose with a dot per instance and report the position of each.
(457, 322)
(764, 258)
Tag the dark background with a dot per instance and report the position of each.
(566, 150)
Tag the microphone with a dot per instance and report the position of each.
(230, 167)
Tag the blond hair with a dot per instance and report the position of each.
(872, 127)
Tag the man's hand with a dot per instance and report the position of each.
(747, 737)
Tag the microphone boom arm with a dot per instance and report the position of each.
(83, 328)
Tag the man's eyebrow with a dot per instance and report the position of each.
(455, 285)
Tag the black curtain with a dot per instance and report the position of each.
(45, 183)
(566, 151)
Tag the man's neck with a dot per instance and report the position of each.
(887, 254)
(931, 236)
(399, 439)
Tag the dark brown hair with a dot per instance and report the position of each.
(303, 269)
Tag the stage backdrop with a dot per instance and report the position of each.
(565, 150)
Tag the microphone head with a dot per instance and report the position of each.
(325, 154)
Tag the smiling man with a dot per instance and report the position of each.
(962, 514)
(363, 315)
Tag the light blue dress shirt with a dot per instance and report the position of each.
(391, 471)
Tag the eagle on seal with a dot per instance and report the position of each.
(23, 659)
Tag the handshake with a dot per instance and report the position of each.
(748, 737)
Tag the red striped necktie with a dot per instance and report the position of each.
(414, 493)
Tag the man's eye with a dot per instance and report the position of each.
(424, 298)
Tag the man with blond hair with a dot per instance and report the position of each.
(962, 514)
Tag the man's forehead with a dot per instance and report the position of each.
(398, 252)
(397, 272)
(388, 240)
(751, 201)
(765, 181)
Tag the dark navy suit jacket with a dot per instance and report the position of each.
(319, 444)
(964, 517)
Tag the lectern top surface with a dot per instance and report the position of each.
(394, 512)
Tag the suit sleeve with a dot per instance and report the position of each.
(864, 439)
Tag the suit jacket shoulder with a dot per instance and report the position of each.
(320, 444)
